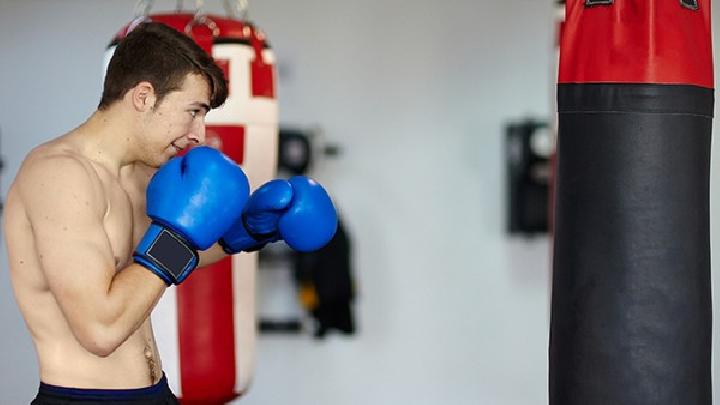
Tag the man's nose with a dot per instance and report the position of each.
(197, 132)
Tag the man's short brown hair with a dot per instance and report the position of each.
(159, 54)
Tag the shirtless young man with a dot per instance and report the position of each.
(87, 265)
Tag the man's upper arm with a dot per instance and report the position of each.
(66, 205)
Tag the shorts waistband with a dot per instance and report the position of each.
(153, 391)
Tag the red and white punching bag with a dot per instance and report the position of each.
(205, 328)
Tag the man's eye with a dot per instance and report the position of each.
(194, 113)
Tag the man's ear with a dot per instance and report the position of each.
(143, 96)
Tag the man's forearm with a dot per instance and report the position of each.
(133, 293)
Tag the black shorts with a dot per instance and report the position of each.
(158, 394)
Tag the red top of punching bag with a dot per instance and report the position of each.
(207, 30)
(210, 27)
(637, 41)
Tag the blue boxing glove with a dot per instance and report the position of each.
(189, 200)
(298, 211)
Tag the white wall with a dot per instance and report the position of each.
(451, 311)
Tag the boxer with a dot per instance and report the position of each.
(100, 221)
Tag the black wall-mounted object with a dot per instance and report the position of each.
(323, 279)
(529, 145)
(299, 149)
(326, 284)
(295, 153)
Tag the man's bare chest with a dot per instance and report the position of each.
(125, 220)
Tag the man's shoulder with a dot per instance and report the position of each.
(54, 159)
(49, 171)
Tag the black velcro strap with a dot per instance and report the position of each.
(172, 254)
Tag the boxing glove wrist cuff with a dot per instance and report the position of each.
(245, 244)
(241, 239)
(166, 254)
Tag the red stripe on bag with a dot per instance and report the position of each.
(206, 327)
(206, 333)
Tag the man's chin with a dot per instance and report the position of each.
(158, 162)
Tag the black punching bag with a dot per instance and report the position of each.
(631, 307)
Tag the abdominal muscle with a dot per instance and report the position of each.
(135, 364)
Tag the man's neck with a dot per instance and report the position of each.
(107, 139)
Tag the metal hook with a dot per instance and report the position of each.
(236, 9)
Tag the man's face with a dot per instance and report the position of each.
(177, 122)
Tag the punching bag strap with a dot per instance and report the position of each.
(262, 82)
(203, 39)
